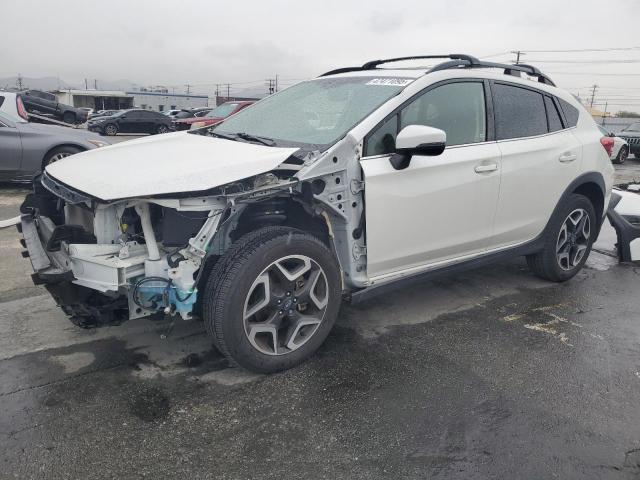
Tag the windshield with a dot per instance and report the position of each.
(183, 114)
(634, 127)
(223, 111)
(317, 112)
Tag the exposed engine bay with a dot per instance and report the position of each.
(106, 262)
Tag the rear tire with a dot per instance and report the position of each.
(162, 129)
(622, 156)
(291, 282)
(69, 117)
(567, 240)
(58, 154)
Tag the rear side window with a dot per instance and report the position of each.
(519, 112)
(553, 116)
(571, 113)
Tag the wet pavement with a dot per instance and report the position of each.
(492, 373)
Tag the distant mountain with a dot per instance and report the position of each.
(54, 83)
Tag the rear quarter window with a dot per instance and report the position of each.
(571, 113)
(553, 116)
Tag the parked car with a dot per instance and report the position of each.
(213, 117)
(345, 186)
(26, 148)
(131, 121)
(619, 147)
(45, 103)
(631, 135)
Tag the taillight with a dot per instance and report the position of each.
(21, 110)
(607, 143)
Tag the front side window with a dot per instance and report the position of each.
(457, 108)
(519, 112)
(317, 112)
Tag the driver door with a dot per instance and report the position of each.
(438, 209)
(10, 148)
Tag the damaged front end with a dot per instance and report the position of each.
(108, 262)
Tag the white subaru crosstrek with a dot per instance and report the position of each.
(339, 187)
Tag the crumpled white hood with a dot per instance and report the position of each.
(170, 163)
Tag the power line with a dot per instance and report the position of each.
(585, 50)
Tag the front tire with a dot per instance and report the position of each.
(272, 299)
(162, 129)
(622, 156)
(567, 241)
(58, 154)
(111, 129)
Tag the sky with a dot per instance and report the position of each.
(204, 42)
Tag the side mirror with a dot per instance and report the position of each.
(417, 140)
(611, 134)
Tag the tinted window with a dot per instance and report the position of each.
(553, 116)
(570, 113)
(519, 112)
(383, 140)
(1, 100)
(456, 108)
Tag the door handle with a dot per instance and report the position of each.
(567, 157)
(491, 167)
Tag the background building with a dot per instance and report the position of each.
(161, 101)
(96, 99)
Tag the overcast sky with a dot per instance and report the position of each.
(202, 42)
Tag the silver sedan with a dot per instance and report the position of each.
(26, 148)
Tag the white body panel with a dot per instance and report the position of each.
(533, 179)
(436, 209)
(175, 162)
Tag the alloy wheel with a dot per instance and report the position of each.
(58, 156)
(285, 305)
(573, 239)
(111, 130)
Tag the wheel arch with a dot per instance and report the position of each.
(592, 186)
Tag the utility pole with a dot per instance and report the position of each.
(518, 53)
(188, 88)
(276, 85)
(270, 85)
(228, 93)
(95, 84)
(19, 82)
(604, 115)
(86, 85)
(593, 94)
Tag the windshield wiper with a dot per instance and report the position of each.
(222, 135)
(253, 138)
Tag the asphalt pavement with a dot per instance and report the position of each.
(492, 373)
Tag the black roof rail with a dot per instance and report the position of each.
(373, 64)
(456, 60)
(508, 69)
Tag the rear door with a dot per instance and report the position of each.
(540, 158)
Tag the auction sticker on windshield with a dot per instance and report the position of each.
(395, 82)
